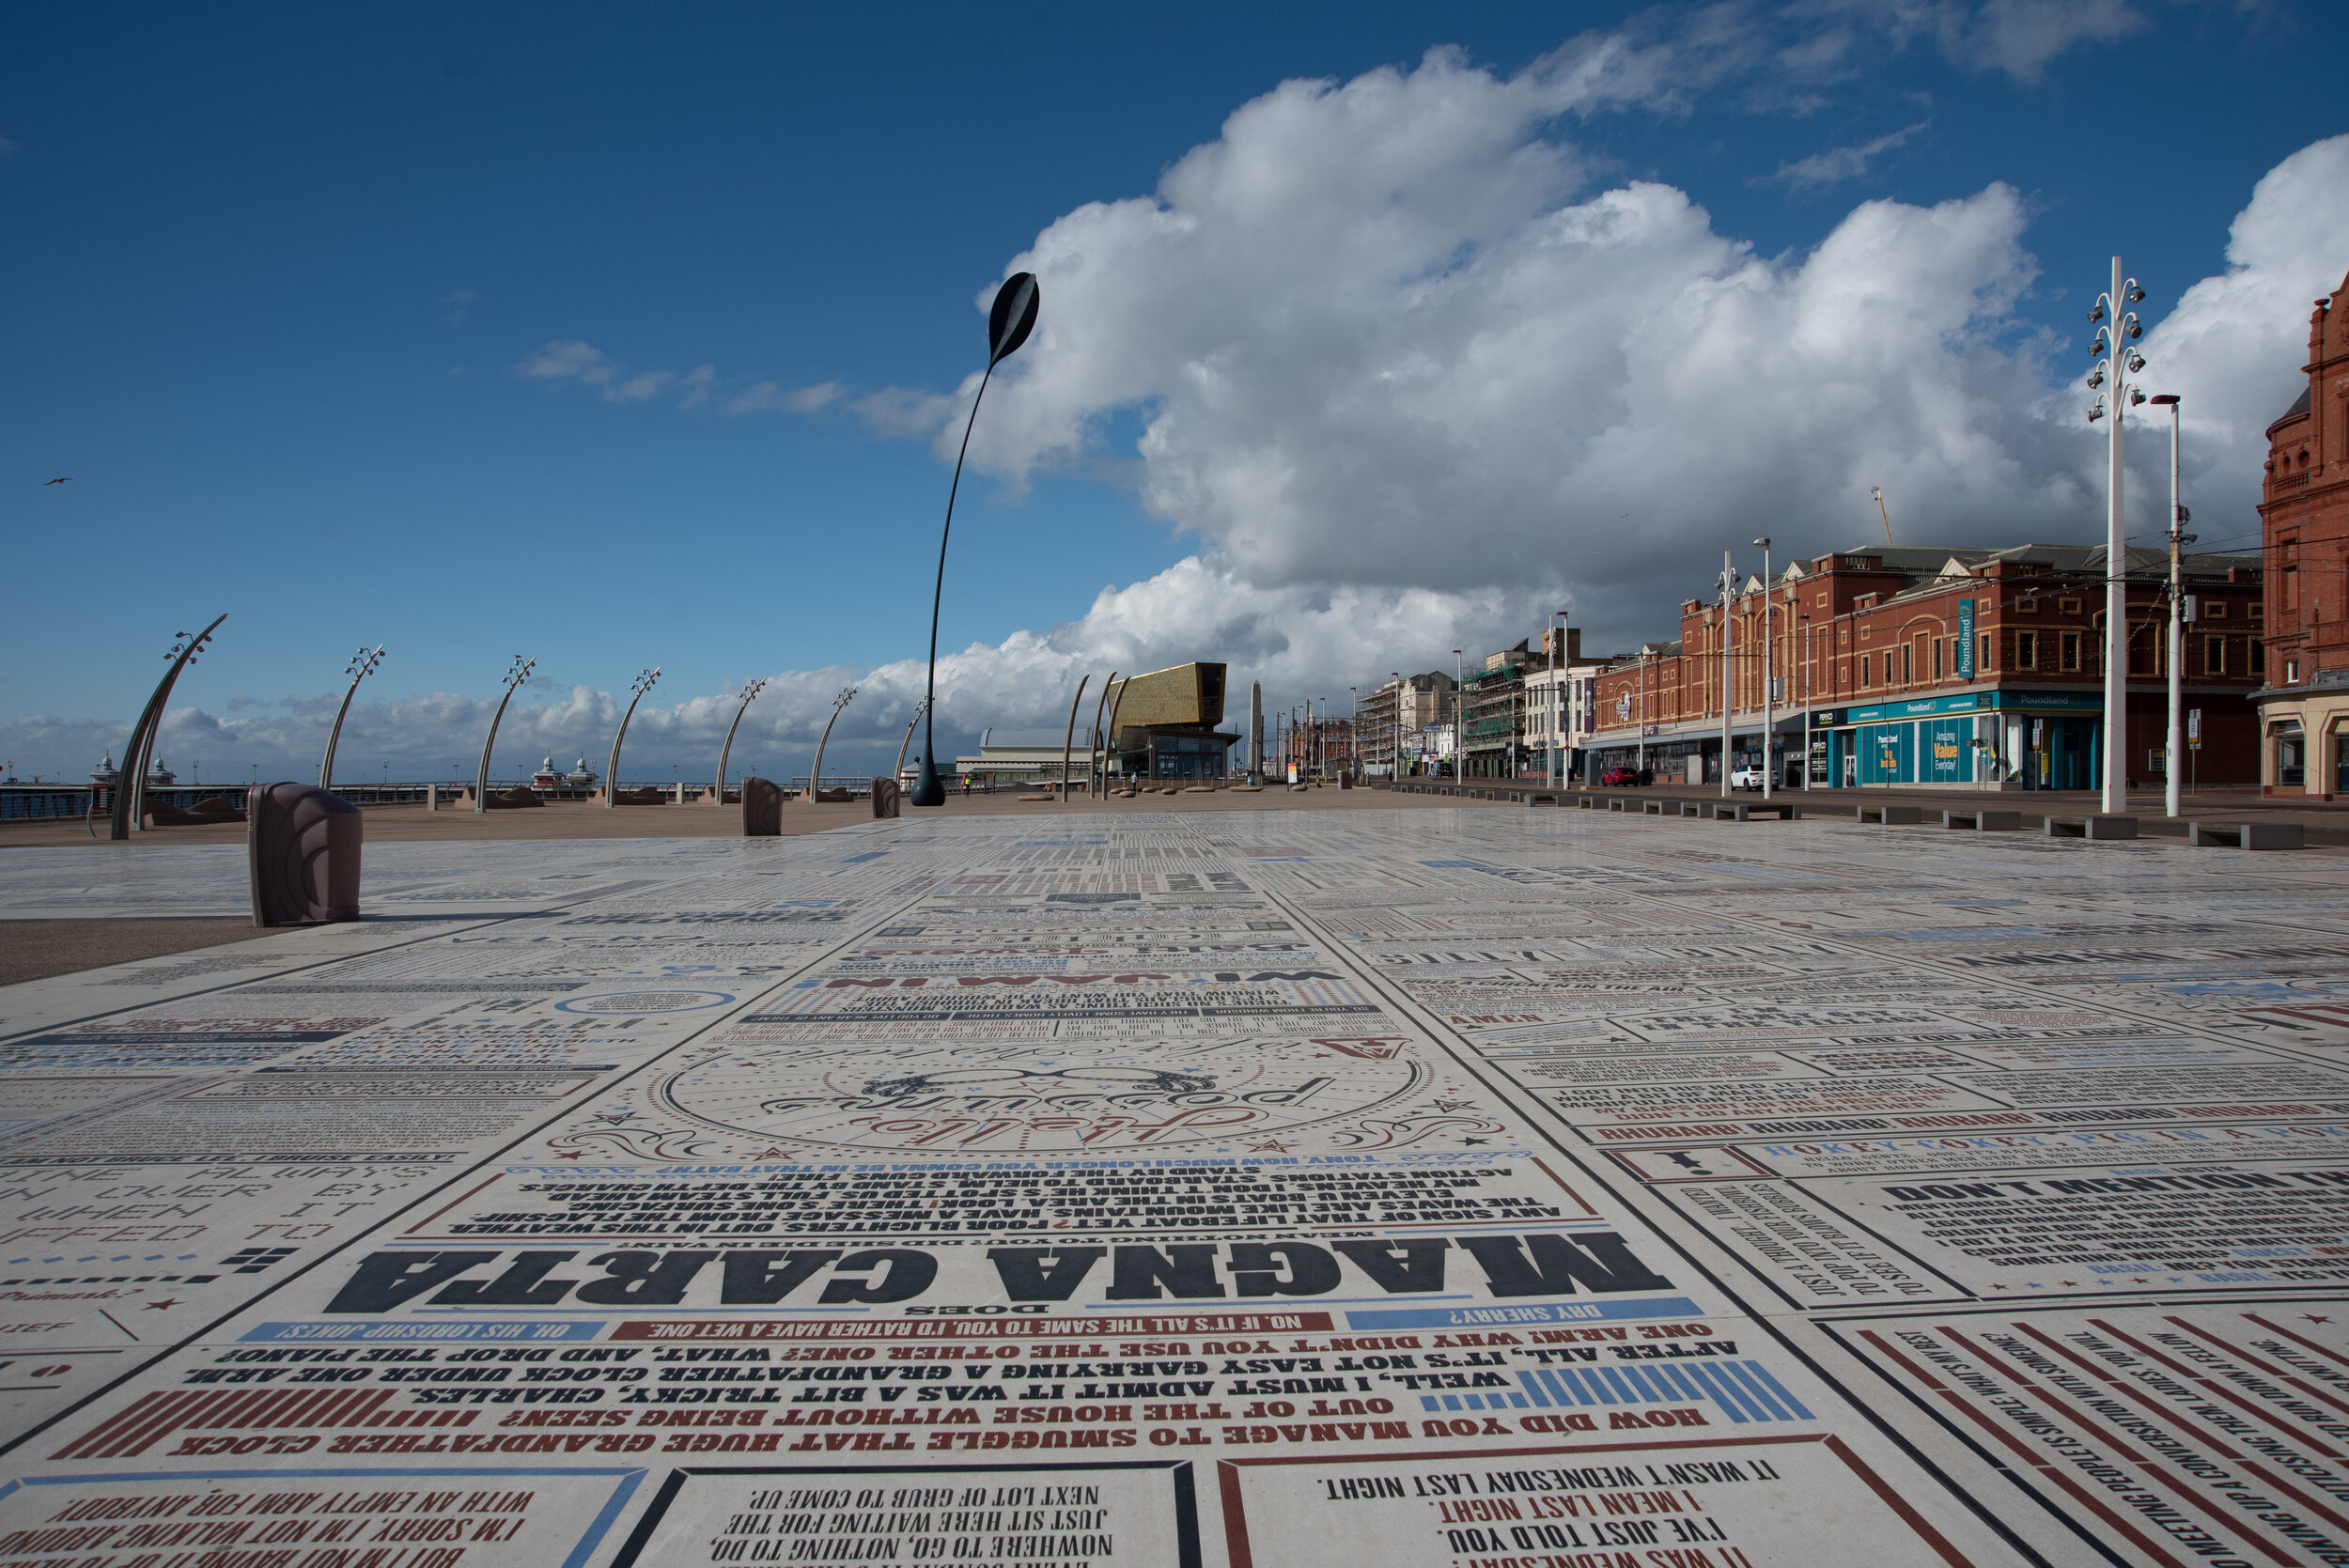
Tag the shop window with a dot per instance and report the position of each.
(2071, 650)
(2068, 606)
(2141, 650)
(2289, 769)
(1981, 655)
(2259, 658)
(2213, 656)
(2214, 608)
(1937, 657)
(1909, 666)
(2257, 611)
(2292, 672)
(2027, 605)
(1863, 672)
(2027, 650)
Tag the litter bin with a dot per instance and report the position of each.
(303, 844)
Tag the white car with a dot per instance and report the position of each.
(1749, 777)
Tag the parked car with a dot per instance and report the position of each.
(1748, 777)
(1615, 777)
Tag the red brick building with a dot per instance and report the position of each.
(1968, 668)
(2304, 520)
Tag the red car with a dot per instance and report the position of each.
(1616, 777)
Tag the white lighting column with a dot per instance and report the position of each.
(1728, 688)
(1768, 767)
(2174, 741)
(2117, 327)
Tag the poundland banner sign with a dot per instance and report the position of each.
(1965, 639)
(1966, 702)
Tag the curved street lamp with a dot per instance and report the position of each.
(2117, 326)
(361, 665)
(1107, 744)
(919, 708)
(515, 676)
(749, 696)
(1008, 323)
(815, 773)
(1068, 742)
(130, 801)
(637, 688)
(1092, 754)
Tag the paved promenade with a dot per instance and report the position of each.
(1385, 1186)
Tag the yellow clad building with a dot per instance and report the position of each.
(1164, 725)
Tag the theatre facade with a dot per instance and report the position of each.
(1164, 725)
(2304, 517)
(1964, 668)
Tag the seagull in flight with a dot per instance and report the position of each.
(67, 480)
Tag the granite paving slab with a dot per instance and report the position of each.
(1457, 1187)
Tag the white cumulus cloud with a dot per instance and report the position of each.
(2234, 346)
(1379, 333)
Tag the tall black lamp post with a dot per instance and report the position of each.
(1009, 324)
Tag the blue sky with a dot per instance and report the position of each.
(385, 327)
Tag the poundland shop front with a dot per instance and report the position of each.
(1999, 739)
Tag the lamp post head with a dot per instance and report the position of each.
(1763, 543)
(1012, 318)
(2164, 400)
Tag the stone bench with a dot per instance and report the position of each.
(2247, 835)
(1984, 821)
(1893, 816)
(2092, 827)
(1616, 802)
(1747, 810)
